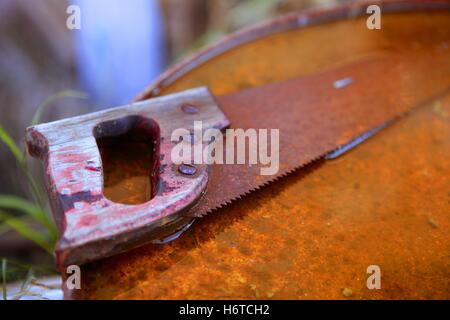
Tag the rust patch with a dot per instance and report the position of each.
(326, 222)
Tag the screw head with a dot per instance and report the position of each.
(187, 169)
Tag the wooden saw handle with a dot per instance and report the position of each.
(92, 226)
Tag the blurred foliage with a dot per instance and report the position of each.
(4, 264)
(238, 14)
(251, 11)
(11, 270)
(20, 214)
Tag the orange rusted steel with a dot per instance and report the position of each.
(314, 233)
(315, 117)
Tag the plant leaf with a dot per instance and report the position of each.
(26, 282)
(46, 269)
(4, 228)
(62, 94)
(9, 142)
(24, 230)
(4, 279)
(22, 205)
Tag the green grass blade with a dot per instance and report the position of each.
(20, 158)
(40, 202)
(42, 268)
(24, 206)
(4, 228)
(26, 282)
(25, 285)
(12, 146)
(63, 94)
(37, 194)
(4, 279)
(24, 230)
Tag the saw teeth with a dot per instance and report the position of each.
(256, 188)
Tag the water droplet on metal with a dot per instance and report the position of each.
(341, 83)
(175, 235)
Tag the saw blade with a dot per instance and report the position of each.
(321, 113)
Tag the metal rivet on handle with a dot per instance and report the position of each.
(187, 169)
(189, 108)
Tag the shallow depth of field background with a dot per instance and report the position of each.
(121, 47)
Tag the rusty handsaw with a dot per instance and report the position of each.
(318, 116)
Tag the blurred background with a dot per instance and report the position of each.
(120, 48)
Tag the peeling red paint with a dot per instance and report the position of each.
(90, 225)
